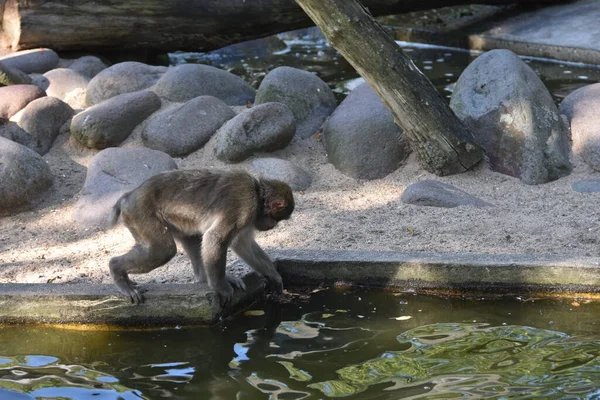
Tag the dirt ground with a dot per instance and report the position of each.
(336, 212)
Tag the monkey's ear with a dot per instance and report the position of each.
(278, 205)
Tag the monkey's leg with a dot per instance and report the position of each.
(246, 247)
(192, 246)
(214, 256)
(145, 256)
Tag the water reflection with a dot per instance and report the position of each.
(35, 377)
(355, 344)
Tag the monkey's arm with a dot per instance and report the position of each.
(248, 250)
(214, 257)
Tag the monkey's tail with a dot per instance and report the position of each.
(116, 212)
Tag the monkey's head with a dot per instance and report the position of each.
(278, 204)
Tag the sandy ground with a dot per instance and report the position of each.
(336, 212)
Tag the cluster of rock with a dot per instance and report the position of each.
(500, 99)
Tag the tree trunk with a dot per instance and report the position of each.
(441, 141)
(166, 25)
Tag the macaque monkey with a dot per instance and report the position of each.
(207, 212)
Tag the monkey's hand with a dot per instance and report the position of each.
(225, 292)
(236, 283)
(275, 283)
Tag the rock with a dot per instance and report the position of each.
(88, 66)
(587, 186)
(265, 127)
(186, 81)
(11, 131)
(112, 121)
(183, 129)
(361, 138)
(41, 120)
(582, 109)
(12, 76)
(32, 61)
(282, 170)
(125, 77)
(513, 118)
(67, 85)
(429, 192)
(15, 97)
(25, 177)
(111, 173)
(305, 94)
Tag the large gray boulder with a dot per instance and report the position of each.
(25, 177)
(361, 138)
(432, 193)
(15, 97)
(67, 85)
(582, 108)
(112, 121)
(12, 76)
(125, 77)
(281, 170)
(186, 81)
(266, 127)
(32, 61)
(305, 94)
(41, 120)
(110, 174)
(513, 118)
(183, 129)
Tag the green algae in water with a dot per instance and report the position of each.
(340, 344)
(457, 360)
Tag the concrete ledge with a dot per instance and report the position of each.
(165, 305)
(187, 304)
(453, 272)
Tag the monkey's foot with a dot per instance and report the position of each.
(132, 292)
(235, 282)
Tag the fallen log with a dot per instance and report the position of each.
(168, 25)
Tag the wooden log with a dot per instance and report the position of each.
(167, 25)
(440, 140)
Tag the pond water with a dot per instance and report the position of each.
(311, 52)
(340, 342)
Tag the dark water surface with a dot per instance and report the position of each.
(361, 344)
(441, 65)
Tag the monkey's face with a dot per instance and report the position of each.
(279, 205)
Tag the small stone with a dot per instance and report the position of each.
(429, 192)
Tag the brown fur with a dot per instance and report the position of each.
(207, 211)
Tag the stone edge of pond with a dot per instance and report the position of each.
(100, 305)
(466, 273)
(188, 304)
